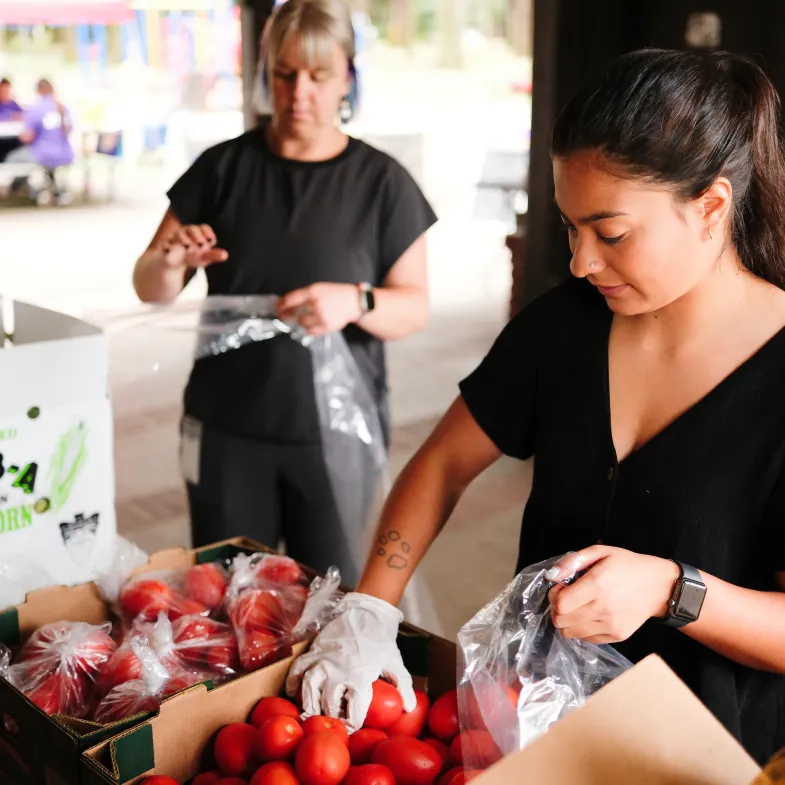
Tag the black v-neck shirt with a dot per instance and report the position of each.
(287, 224)
(708, 490)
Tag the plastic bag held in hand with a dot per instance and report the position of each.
(348, 656)
(520, 673)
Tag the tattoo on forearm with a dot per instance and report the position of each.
(394, 548)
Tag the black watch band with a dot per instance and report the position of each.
(686, 602)
(367, 299)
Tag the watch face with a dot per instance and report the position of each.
(690, 600)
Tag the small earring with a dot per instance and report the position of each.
(345, 110)
(711, 236)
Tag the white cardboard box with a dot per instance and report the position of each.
(56, 445)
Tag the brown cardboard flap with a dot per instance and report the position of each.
(645, 728)
(185, 724)
(61, 603)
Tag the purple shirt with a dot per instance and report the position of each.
(50, 147)
(9, 111)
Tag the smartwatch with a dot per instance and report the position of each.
(687, 599)
(367, 300)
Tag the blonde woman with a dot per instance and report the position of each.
(294, 208)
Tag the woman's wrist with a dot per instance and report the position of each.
(670, 573)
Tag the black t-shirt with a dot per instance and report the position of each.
(708, 490)
(287, 224)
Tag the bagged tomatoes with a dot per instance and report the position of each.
(159, 679)
(57, 666)
(206, 584)
(271, 608)
(146, 595)
(206, 644)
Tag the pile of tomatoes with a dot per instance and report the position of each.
(174, 629)
(422, 747)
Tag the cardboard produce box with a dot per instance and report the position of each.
(646, 728)
(35, 747)
(176, 740)
(56, 451)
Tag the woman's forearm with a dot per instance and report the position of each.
(400, 311)
(154, 281)
(743, 625)
(419, 505)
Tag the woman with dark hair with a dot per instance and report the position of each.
(336, 228)
(651, 393)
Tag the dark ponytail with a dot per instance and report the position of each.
(683, 119)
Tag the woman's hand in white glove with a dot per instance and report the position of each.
(348, 656)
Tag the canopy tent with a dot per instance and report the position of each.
(64, 12)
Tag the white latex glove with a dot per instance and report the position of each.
(347, 657)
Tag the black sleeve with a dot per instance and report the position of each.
(192, 197)
(501, 392)
(405, 216)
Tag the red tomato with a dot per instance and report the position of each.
(234, 749)
(411, 761)
(231, 781)
(449, 776)
(146, 597)
(278, 738)
(272, 707)
(224, 658)
(489, 697)
(93, 651)
(259, 648)
(207, 778)
(277, 773)
(362, 744)
(370, 774)
(182, 606)
(412, 723)
(196, 636)
(467, 775)
(443, 716)
(475, 747)
(442, 749)
(279, 569)
(49, 695)
(179, 682)
(158, 779)
(321, 724)
(206, 584)
(386, 706)
(322, 759)
(258, 609)
(123, 666)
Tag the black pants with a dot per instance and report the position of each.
(269, 492)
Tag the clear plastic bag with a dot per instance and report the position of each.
(126, 557)
(57, 666)
(160, 677)
(520, 675)
(197, 644)
(145, 595)
(351, 431)
(19, 575)
(271, 607)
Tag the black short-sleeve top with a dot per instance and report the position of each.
(287, 224)
(708, 490)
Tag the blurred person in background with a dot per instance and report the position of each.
(9, 109)
(45, 139)
(10, 112)
(294, 208)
